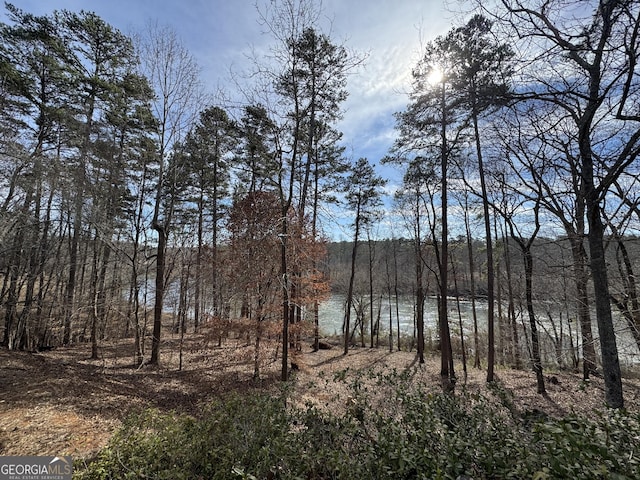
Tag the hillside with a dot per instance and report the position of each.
(59, 402)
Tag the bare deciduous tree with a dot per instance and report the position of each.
(174, 77)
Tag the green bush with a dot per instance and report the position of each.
(233, 434)
(392, 430)
(574, 447)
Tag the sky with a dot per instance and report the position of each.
(221, 33)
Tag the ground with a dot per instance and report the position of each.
(62, 403)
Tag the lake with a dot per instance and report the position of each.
(332, 314)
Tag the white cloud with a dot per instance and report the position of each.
(392, 33)
(219, 35)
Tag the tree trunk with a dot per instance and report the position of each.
(73, 268)
(535, 342)
(581, 276)
(446, 360)
(462, 346)
(34, 266)
(489, 244)
(349, 302)
(396, 293)
(472, 283)
(11, 315)
(371, 321)
(159, 293)
(511, 309)
(284, 374)
(608, 346)
(386, 264)
(420, 294)
(197, 302)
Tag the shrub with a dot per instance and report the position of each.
(393, 429)
(574, 447)
(234, 434)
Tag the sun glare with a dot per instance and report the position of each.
(435, 75)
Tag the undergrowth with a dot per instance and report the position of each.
(392, 430)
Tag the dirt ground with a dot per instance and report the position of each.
(62, 403)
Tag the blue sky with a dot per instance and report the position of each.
(220, 33)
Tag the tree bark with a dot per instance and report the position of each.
(535, 341)
(608, 345)
(579, 256)
(159, 293)
(354, 254)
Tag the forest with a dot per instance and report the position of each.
(137, 208)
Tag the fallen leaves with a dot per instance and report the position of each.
(62, 403)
